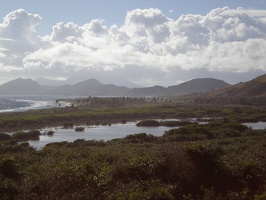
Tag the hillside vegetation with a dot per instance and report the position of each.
(246, 93)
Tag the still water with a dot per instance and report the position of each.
(24, 103)
(109, 132)
(97, 133)
(256, 125)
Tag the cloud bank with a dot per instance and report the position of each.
(148, 47)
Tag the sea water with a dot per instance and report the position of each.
(23, 103)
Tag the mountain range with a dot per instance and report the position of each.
(105, 77)
(93, 87)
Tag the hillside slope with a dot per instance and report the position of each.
(253, 88)
(197, 86)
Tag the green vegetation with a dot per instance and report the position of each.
(30, 135)
(79, 128)
(50, 133)
(219, 160)
(4, 136)
(148, 122)
(68, 116)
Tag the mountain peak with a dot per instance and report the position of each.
(91, 82)
(21, 86)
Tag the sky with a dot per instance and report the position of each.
(148, 42)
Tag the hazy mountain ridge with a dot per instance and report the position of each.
(107, 77)
(21, 87)
(197, 86)
(93, 87)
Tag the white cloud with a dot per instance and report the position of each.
(19, 25)
(223, 40)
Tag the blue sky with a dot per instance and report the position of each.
(148, 42)
(114, 11)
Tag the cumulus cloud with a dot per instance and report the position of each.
(147, 43)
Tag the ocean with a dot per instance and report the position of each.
(24, 103)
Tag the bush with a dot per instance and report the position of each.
(31, 135)
(148, 122)
(50, 133)
(4, 136)
(139, 137)
(68, 125)
(260, 197)
(123, 121)
(9, 169)
(10, 125)
(79, 129)
(2, 125)
(211, 170)
(24, 144)
(175, 123)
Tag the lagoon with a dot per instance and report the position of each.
(104, 133)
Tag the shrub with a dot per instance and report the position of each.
(68, 125)
(4, 136)
(10, 125)
(9, 169)
(2, 125)
(148, 122)
(123, 121)
(79, 129)
(140, 137)
(50, 133)
(175, 123)
(24, 144)
(31, 135)
(211, 170)
(260, 197)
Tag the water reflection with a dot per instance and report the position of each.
(97, 133)
(257, 125)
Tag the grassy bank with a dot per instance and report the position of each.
(58, 116)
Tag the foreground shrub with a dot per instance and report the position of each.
(211, 170)
(139, 137)
(4, 136)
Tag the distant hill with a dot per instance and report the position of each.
(21, 87)
(147, 91)
(107, 77)
(253, 88)
(197, 86)
(193, 86)
(93, 87)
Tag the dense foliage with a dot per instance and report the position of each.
(219, 160)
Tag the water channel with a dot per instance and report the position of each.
(96, 133)
(106, 133)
